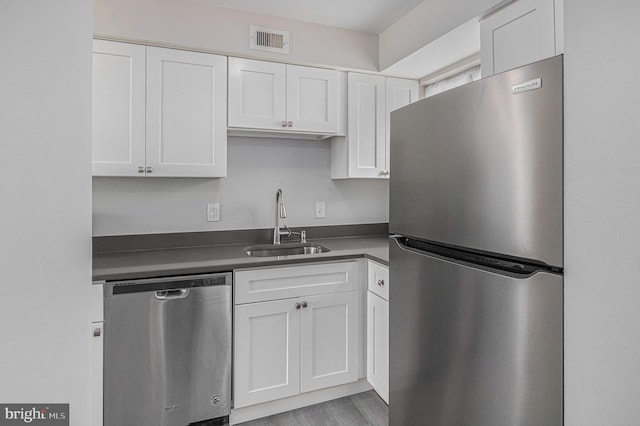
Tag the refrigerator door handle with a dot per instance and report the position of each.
(494, 263)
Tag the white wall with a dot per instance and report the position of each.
(198, 25)
(45, 193)
(256, 169)
(602, 218)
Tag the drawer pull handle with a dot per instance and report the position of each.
(381, 283)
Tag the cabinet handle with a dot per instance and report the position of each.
(304, 304)
(97, 332)
(283, 123)
(297, 306)
(149, 169)
(289, 123)
(140, 169)
(381, 283)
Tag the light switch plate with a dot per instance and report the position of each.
(213, 212)
(321, 210)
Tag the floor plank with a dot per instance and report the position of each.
(363, 409)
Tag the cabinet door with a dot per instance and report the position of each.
(186, 113)
(328, 340)
(378, 344)
(266, 351)
(118, 109)
(521, 33)
(257, 94)
(97, 348)
(366, 134)
(399, 93)
(378, 279)
(312, 99)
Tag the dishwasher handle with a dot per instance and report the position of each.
(172, 294)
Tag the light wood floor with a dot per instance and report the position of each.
(363, 409)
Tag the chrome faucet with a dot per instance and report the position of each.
(281, 213)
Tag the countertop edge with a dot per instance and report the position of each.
(162, 263)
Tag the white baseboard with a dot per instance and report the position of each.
(257, 411)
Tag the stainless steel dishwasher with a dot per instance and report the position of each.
(167, 351)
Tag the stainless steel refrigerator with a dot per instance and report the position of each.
(476, 255)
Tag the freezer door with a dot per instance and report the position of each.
(167, 356)
(472, 347)
(480, 166)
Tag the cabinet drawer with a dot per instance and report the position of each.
(256, 285)
(378, 279)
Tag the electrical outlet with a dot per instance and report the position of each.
(321, 210)
(213, 212)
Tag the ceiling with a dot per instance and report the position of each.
(369, 16)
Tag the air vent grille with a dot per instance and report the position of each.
(269, 40)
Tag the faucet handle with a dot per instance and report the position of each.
(303, 236)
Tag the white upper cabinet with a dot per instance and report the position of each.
(365, 151)
(118, 108)
(282, 98)
(186, 113)
(158, 112)
(521, 33)
(257, 94)
(399, 93)
(312, 99)
(366, 126)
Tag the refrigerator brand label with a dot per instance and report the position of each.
(527, 85)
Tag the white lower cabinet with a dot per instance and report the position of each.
(97, 363)
(378, 329)
(328, 340)
(295, 345)
(378, 344)
(267, 352)
(96, 334)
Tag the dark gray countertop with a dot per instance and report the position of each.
(123, 265)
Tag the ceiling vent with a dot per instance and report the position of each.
(269, 40)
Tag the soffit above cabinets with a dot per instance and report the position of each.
(458, 45)
(368, 16)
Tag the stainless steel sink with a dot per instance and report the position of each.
(269, 250)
